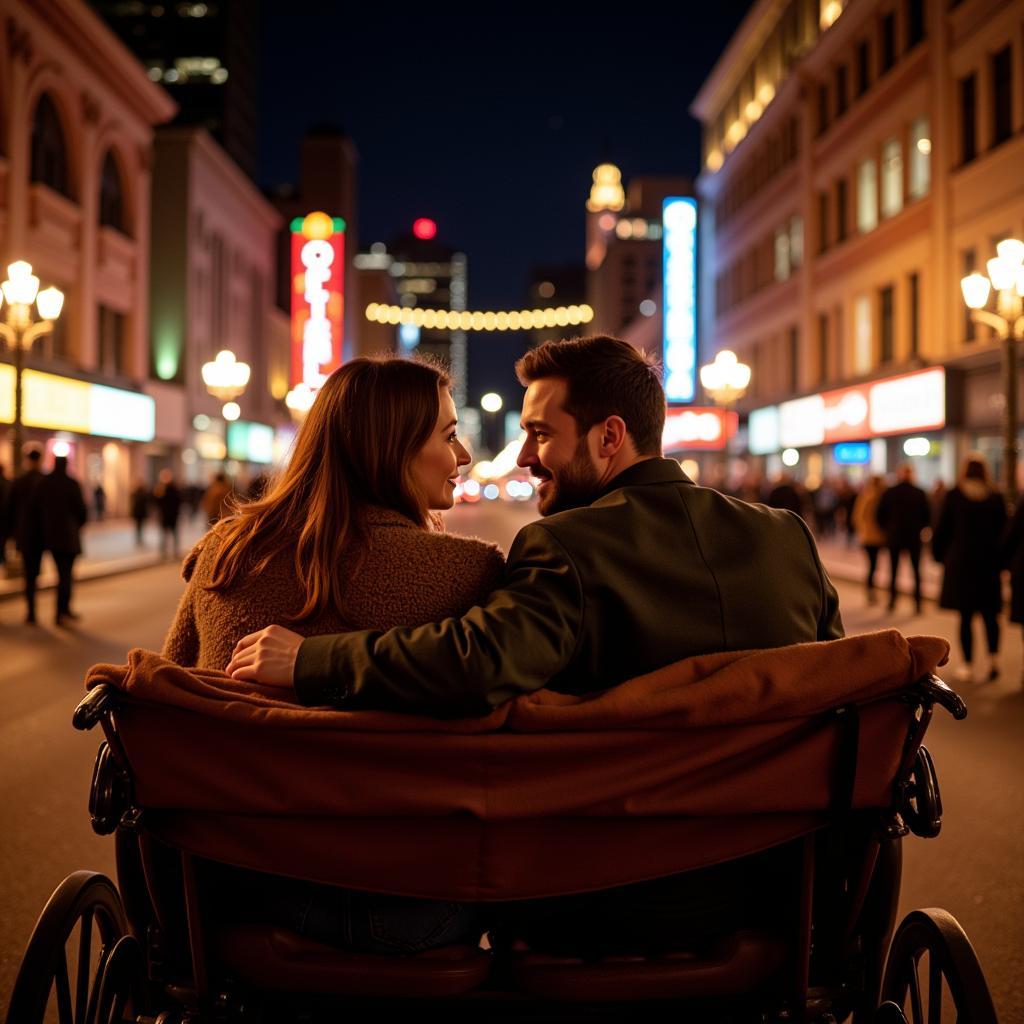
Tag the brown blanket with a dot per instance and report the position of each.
(233, 771)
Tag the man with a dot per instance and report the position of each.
(903, 513)
(64, 513)
(24, 525)
(633, 567)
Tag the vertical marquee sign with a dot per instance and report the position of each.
(318, 297)
(679, 351)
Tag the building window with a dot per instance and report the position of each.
(49, 150)
(823, 348)
(863, 67)
(842, 204)
(1002, 95)
(919, 150)
(110, 339)
(914, 282)
(822, 221)
(782, 264)
(915, 22)
(970, 260)
(892, 177)
(968, 119)
(886, 331)
(837, 348)
(842, 90)
(867, 196)
(796, 240)
(862, 340)
(888, 55)
(111, 195)
(822, 108)
(794, 360)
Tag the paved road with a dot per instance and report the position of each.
(973, 868)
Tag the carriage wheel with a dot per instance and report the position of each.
(932, 974)
(83, 918)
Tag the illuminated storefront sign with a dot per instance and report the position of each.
(318, 297)
(852, 453)
(896, 405)
(250, 442)
(50, 402)
(679, 219)
(697, 428)
(763, 431)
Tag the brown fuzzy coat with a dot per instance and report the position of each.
(409, 576)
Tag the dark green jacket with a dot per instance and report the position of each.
(655, 570)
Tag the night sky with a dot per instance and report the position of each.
(490, 123)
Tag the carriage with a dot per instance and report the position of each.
(830, 786)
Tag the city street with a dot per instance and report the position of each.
(973, 869)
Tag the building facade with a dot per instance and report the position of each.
(859, 159)
(213, 286)
(77, 116)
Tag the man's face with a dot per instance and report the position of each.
(554, 451)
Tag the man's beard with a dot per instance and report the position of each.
(577, 484)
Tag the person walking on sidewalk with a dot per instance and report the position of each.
(22, 522)
(903, 514)
(215, 500)
(869, 534)
(63, 511)
(5, 493)
(140, 510)
(168, 502)
(967, 541)
(1013, 559)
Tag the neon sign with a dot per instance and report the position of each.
(679, 218)
(697, 428)
(318, 297)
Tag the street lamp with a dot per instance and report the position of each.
(726, 379)
(299, 401)
(226, 378)
(1006, 275)
(20, 290)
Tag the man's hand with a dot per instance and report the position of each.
(266, 657)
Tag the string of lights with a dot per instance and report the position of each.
(454, 320)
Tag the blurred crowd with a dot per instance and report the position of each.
(970, 529)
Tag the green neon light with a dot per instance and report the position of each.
(339, 224)
(297, 224)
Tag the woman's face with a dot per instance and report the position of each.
(434, 470)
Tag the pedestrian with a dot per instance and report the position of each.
(784, 494)
(63, 514)
(99, 501)
(903, 514)
(23, 523)
(215, 500)
(968, 542)
(140, 498)
(848, 495)
(167, 497)
(870, 535)
(1013, 559)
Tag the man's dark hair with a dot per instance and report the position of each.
(33, 454)
(605, 377)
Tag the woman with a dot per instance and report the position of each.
(967, 542)
(347, 537)
(869, 534)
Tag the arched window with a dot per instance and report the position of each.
(49, 151)
(111, 195)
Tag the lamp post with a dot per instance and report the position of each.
(1006, 276)
(299, 401)
(725, 381)
(20, 290)
(226, 378)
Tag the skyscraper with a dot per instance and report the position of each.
(205, 55)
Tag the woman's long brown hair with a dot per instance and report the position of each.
(368, 421)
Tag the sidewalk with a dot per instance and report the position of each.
(109, 548)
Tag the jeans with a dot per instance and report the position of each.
(914, 553)
(65, 567)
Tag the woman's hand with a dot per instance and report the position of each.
(266, 657)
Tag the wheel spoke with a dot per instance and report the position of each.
(84, 967)
(916, 1013)
(934, 989)
(64, 1012)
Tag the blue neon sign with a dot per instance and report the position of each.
(852, 453)
(679, 302)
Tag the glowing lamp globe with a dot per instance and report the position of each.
(976, 288)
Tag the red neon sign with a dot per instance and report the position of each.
(425, 228)
(697, 428)
(318, 297)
